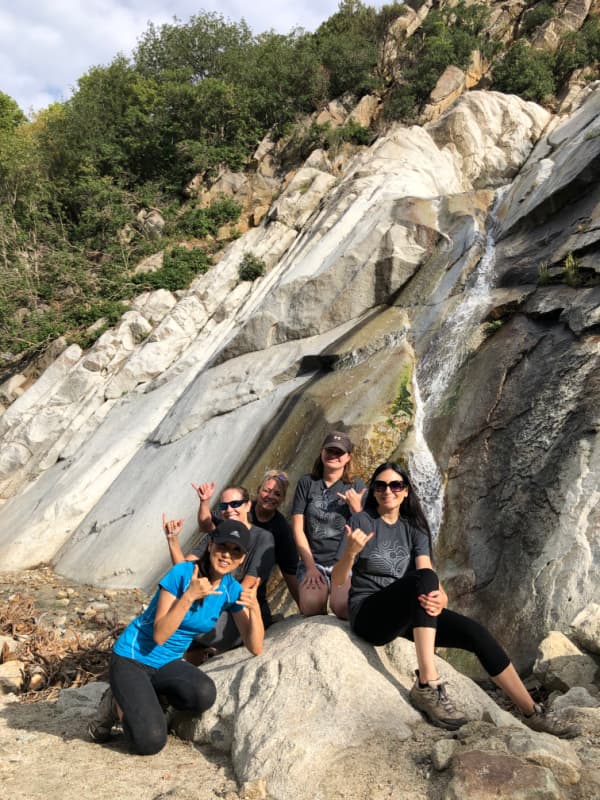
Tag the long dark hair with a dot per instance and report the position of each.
(410, 509)
(204, 563)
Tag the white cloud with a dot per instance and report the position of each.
(45, 47)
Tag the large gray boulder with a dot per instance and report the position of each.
(316, 697)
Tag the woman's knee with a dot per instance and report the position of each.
(312, 602)
(187, 688)
(338, 601)
(149, 739)
(205, 694)
(426, 581)
(339, 607)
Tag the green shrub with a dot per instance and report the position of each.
(326, 137)
(403, 402)
(201, 222)
(251, 267)
(537, 16)
(579, 49)
(571, 270)
(180, 267)
(401, 103)
(88, 313)
(526, 72)
(543, 274)
(352, 131)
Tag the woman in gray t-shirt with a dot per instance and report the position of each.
(323, 503)
(395, 592)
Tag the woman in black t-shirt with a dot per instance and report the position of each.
(265, 513)
(395, 592)
(323, 503)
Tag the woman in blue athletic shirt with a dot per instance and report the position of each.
(147, 664)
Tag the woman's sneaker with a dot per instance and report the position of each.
(434, 702)
(100, 728)
(544, 721)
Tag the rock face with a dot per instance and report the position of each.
(320, 705)
(527, 430)
(586, 628)
(561, 666)
(436, 294)
(572, 15)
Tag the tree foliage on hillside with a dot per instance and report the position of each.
(195, 96)
(448, 36)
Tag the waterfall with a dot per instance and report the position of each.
(445, 354)
(447, 350)
(425, 473)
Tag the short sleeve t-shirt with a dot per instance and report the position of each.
(286, 555)
(388, 556)
(325, 515)
(137, 640)
(259, 563)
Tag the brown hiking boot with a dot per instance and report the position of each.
(433, 701)
(100, 728)
(544, 721)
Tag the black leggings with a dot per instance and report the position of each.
(395, 611)
(136, 688)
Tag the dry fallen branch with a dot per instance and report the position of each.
(17, 616)
(55, 660)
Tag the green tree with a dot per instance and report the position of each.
(207, 46)
(282, 77)
(10, 114)
(533, 18)
(526, 72)
(347, 42)
(579, 49)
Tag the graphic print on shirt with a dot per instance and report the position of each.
(325, 515)
(389, 558)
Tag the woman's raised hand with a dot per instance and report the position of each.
(353, 498)
(357, 539)
(248, 596)
(199, 588)
(172, 527)
(205, 490)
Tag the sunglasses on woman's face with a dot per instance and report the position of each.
(233, 503)
(234, 550)
(395, 486)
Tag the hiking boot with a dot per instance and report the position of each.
(100, 728)
(544, 721)
(433, 701)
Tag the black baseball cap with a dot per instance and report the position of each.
(232, 532)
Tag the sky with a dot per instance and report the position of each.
(46, 46)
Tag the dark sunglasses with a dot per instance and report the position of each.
(395, 486)
(334, 451)
(233, 503)
(234, 550)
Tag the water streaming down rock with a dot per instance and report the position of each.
(445, 355)
(424, 471)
